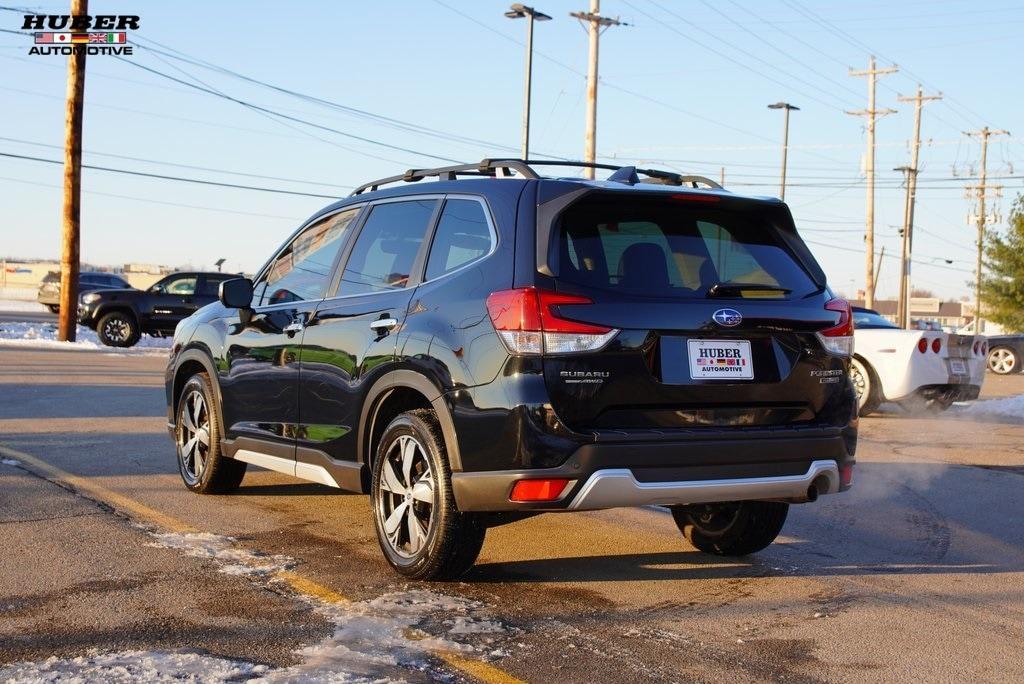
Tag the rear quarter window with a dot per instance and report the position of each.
(665, 248)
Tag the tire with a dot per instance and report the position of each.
(118, 329)
(54, 308)
(203, 467)
(1003, 360)
(731, 529)
(411, 494)
(865, 384)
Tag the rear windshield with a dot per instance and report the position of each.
(669, 248)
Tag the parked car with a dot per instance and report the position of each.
(119, 317)
(88, 281)
(1005, 354)
(477, 350)
(918, 369)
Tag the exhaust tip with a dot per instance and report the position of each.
(812, 493)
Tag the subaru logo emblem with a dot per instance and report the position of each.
(727, 317)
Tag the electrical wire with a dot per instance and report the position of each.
(180, 179)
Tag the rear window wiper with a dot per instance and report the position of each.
(755, 290)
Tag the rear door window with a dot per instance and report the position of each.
(386, 249)
(664, 248)
(463, 235)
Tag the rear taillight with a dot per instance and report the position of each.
(846, 474)
(922, 345)
(936, 345)
(528, 323)
(839, 338)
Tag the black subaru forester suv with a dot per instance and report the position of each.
(498, 344)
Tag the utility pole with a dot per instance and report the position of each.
(871, 113)
(903, 305)
(520, 11)
(721, 176)
(595, 27)
(72, 211)
(981, 188)
(787, 108)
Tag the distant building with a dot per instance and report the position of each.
(949, 315)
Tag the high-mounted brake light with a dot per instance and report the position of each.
(936, 345)
(694, 197)
(538, 490)
(529, 323)
(838, 339)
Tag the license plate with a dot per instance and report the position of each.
(720, 360)
(958, 367)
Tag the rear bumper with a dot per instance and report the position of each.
(766, 464)
(615, 488)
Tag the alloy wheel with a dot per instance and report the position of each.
(193, 436)
(406, 496)
(117, 330)
(1002, 361)
(715, 519)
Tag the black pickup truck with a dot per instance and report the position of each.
(120, 316)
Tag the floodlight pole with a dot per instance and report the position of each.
(519, 11)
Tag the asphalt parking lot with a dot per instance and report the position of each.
(108, 567)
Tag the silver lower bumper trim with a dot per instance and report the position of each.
(617, 487)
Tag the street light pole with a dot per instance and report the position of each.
(786, 108)
(519, 11)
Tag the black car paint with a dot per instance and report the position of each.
(318, 397)
(157, 313)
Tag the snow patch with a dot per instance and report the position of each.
(386, 638)
(1012, 407)
(133, 666)
(26, 335)
(232, 560)
(468, 625)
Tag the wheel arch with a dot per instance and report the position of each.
(123, 307)
(395, 393)
(190, 362)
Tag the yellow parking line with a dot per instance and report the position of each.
(98, 492)
(477, 669)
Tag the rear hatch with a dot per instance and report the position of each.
(717, 304)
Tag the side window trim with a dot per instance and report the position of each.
(335, 266)
(432, 232)
(418, 264)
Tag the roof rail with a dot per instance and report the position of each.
(502, 167)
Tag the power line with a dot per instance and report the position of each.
(181, 166)
(180, 179)
(153, 201)
(727, 56)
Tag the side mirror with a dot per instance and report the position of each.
(235, 293)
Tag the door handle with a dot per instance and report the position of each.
(297, 325)
(383, 324)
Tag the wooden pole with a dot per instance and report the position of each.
(69, 259)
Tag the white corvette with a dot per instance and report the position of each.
(918, 369)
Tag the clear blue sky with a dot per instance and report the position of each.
(684, 87)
